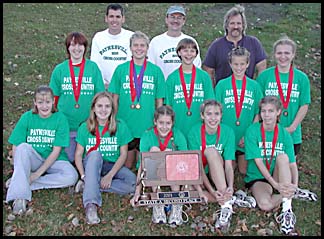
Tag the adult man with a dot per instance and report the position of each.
(111, 47)
(216, 62)
(162, 50)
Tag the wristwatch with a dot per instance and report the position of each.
(82, 177)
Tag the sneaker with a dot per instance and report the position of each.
(79, 187)
(304, 194)
(251, 200)
(158, 215)
(242, 200)
(8, 182)
(240, 195)
(19, 206)
(176, 215)
(223, 220)
(287, 221)
(91, 214)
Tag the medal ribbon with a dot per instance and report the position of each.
(137, 90)
(184, 88)
(76, 89)
(238, 105)
(166, 141)
(98, 137)
(290, 80)
(274, 141)
(203, 142)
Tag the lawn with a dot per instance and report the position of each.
(33, 43)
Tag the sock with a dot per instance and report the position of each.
(286, 204)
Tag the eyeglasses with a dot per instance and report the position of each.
(179, 18)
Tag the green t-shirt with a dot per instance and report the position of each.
(203, 90)
(61, 85)
(254, 149)
(250, 108)
(153, 87)
(225, 145)
(42, 133)
(109, 145)
(300, 95)
(149, 139)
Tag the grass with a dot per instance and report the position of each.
(33, 43)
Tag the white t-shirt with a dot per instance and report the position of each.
(162, 52)
(108, 51)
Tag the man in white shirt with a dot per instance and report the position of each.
(110, 47)
(162, 50)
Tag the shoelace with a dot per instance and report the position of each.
(283, 215)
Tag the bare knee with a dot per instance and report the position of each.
(265, 205)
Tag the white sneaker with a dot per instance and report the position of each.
(158, 215)
(8, 182)
(79, 187)
(91, 214)
(287, 221)
(19, 206)
(304, 194)
(223, 220)
(176, 215)
(242, 200)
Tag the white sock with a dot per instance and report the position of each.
(286, 204)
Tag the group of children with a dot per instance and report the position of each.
(102, 133)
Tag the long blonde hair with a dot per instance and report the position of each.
(92, 120)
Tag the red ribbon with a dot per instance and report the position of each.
(184, 88)
(166, 141)
(238, 105)
(290, 81)
(131, 78)
(98, 137)
(274, 141)
(203, 142)
(76, 89)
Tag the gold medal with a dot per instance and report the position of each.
(132, 106)
(237, 123)
(285, 113)
(189, 113)
(77, 106)
(138, 106)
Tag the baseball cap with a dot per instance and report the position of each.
(176, 9)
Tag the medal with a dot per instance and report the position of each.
(188, 98)
(285, 102)
(136, 83)
(76, 88)
(238, 103)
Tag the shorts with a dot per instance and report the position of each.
(297, 148)
(238, 153)
(134, 144)
(250, 184)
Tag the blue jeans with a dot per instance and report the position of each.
(122, 183)
(26, 160)
(70, 151)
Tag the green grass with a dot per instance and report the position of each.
(33, 43)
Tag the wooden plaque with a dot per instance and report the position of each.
(171, 168)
